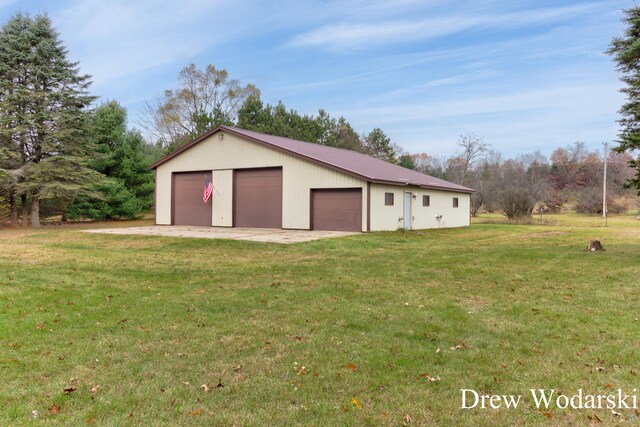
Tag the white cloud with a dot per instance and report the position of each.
(513, 123)
(349, 35)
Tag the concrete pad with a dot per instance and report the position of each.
(268, 235)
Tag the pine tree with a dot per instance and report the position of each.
(379, 146)
(43, 113)
(626, 53)
(128, 186)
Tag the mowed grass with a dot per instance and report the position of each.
(346, 331)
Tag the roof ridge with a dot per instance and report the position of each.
(348, 161)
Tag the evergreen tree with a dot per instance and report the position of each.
(379, 146)
(43, 103)
(407, 161)
(626, 53)
(277, 120)
(128, 188)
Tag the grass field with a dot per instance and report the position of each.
(374, 329)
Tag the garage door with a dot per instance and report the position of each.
(257, 198)
(188, 207)
(337, 209)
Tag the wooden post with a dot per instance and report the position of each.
(604, 185)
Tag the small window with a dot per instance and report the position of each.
(388, 199)
(455, 202)
(426, 200)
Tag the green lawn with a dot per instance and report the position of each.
(343, 331)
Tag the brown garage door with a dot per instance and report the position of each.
(257, 198)
(337, 209)
(188, 207)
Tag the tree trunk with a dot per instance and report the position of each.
(25, 210)
(595, 245)
(14, 209)
(35, 211)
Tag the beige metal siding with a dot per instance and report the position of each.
(390, 217)
(222, 155)
(223, 198)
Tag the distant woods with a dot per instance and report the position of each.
(572, 179)
(65, 156)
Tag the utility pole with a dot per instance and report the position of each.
(604, 184)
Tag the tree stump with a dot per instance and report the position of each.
(595, 245)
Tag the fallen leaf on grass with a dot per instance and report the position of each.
(352, 367)
(594, 418)
(220, 385)
(40, 325)
(205, 388)
(89, 421)
(355, 402)
(547, 414)
(94, 389)
(195, 412)
(54, 409)
(461, 346)
(302, 371)
(438, 350)
(69, 390)
(430, 378)
(186, 383)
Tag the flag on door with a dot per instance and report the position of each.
(208, 189)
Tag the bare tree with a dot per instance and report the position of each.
(204, 98)
(466, 167)
(518, 189)
(431, 165)
(474, 149)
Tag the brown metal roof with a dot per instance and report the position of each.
(350, 162)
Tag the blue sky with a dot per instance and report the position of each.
(524, 75)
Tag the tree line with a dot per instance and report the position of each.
(571, 179)
(62, 155)
(208, 98)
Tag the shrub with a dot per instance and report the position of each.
(113, 202)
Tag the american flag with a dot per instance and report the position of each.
(208, 189)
